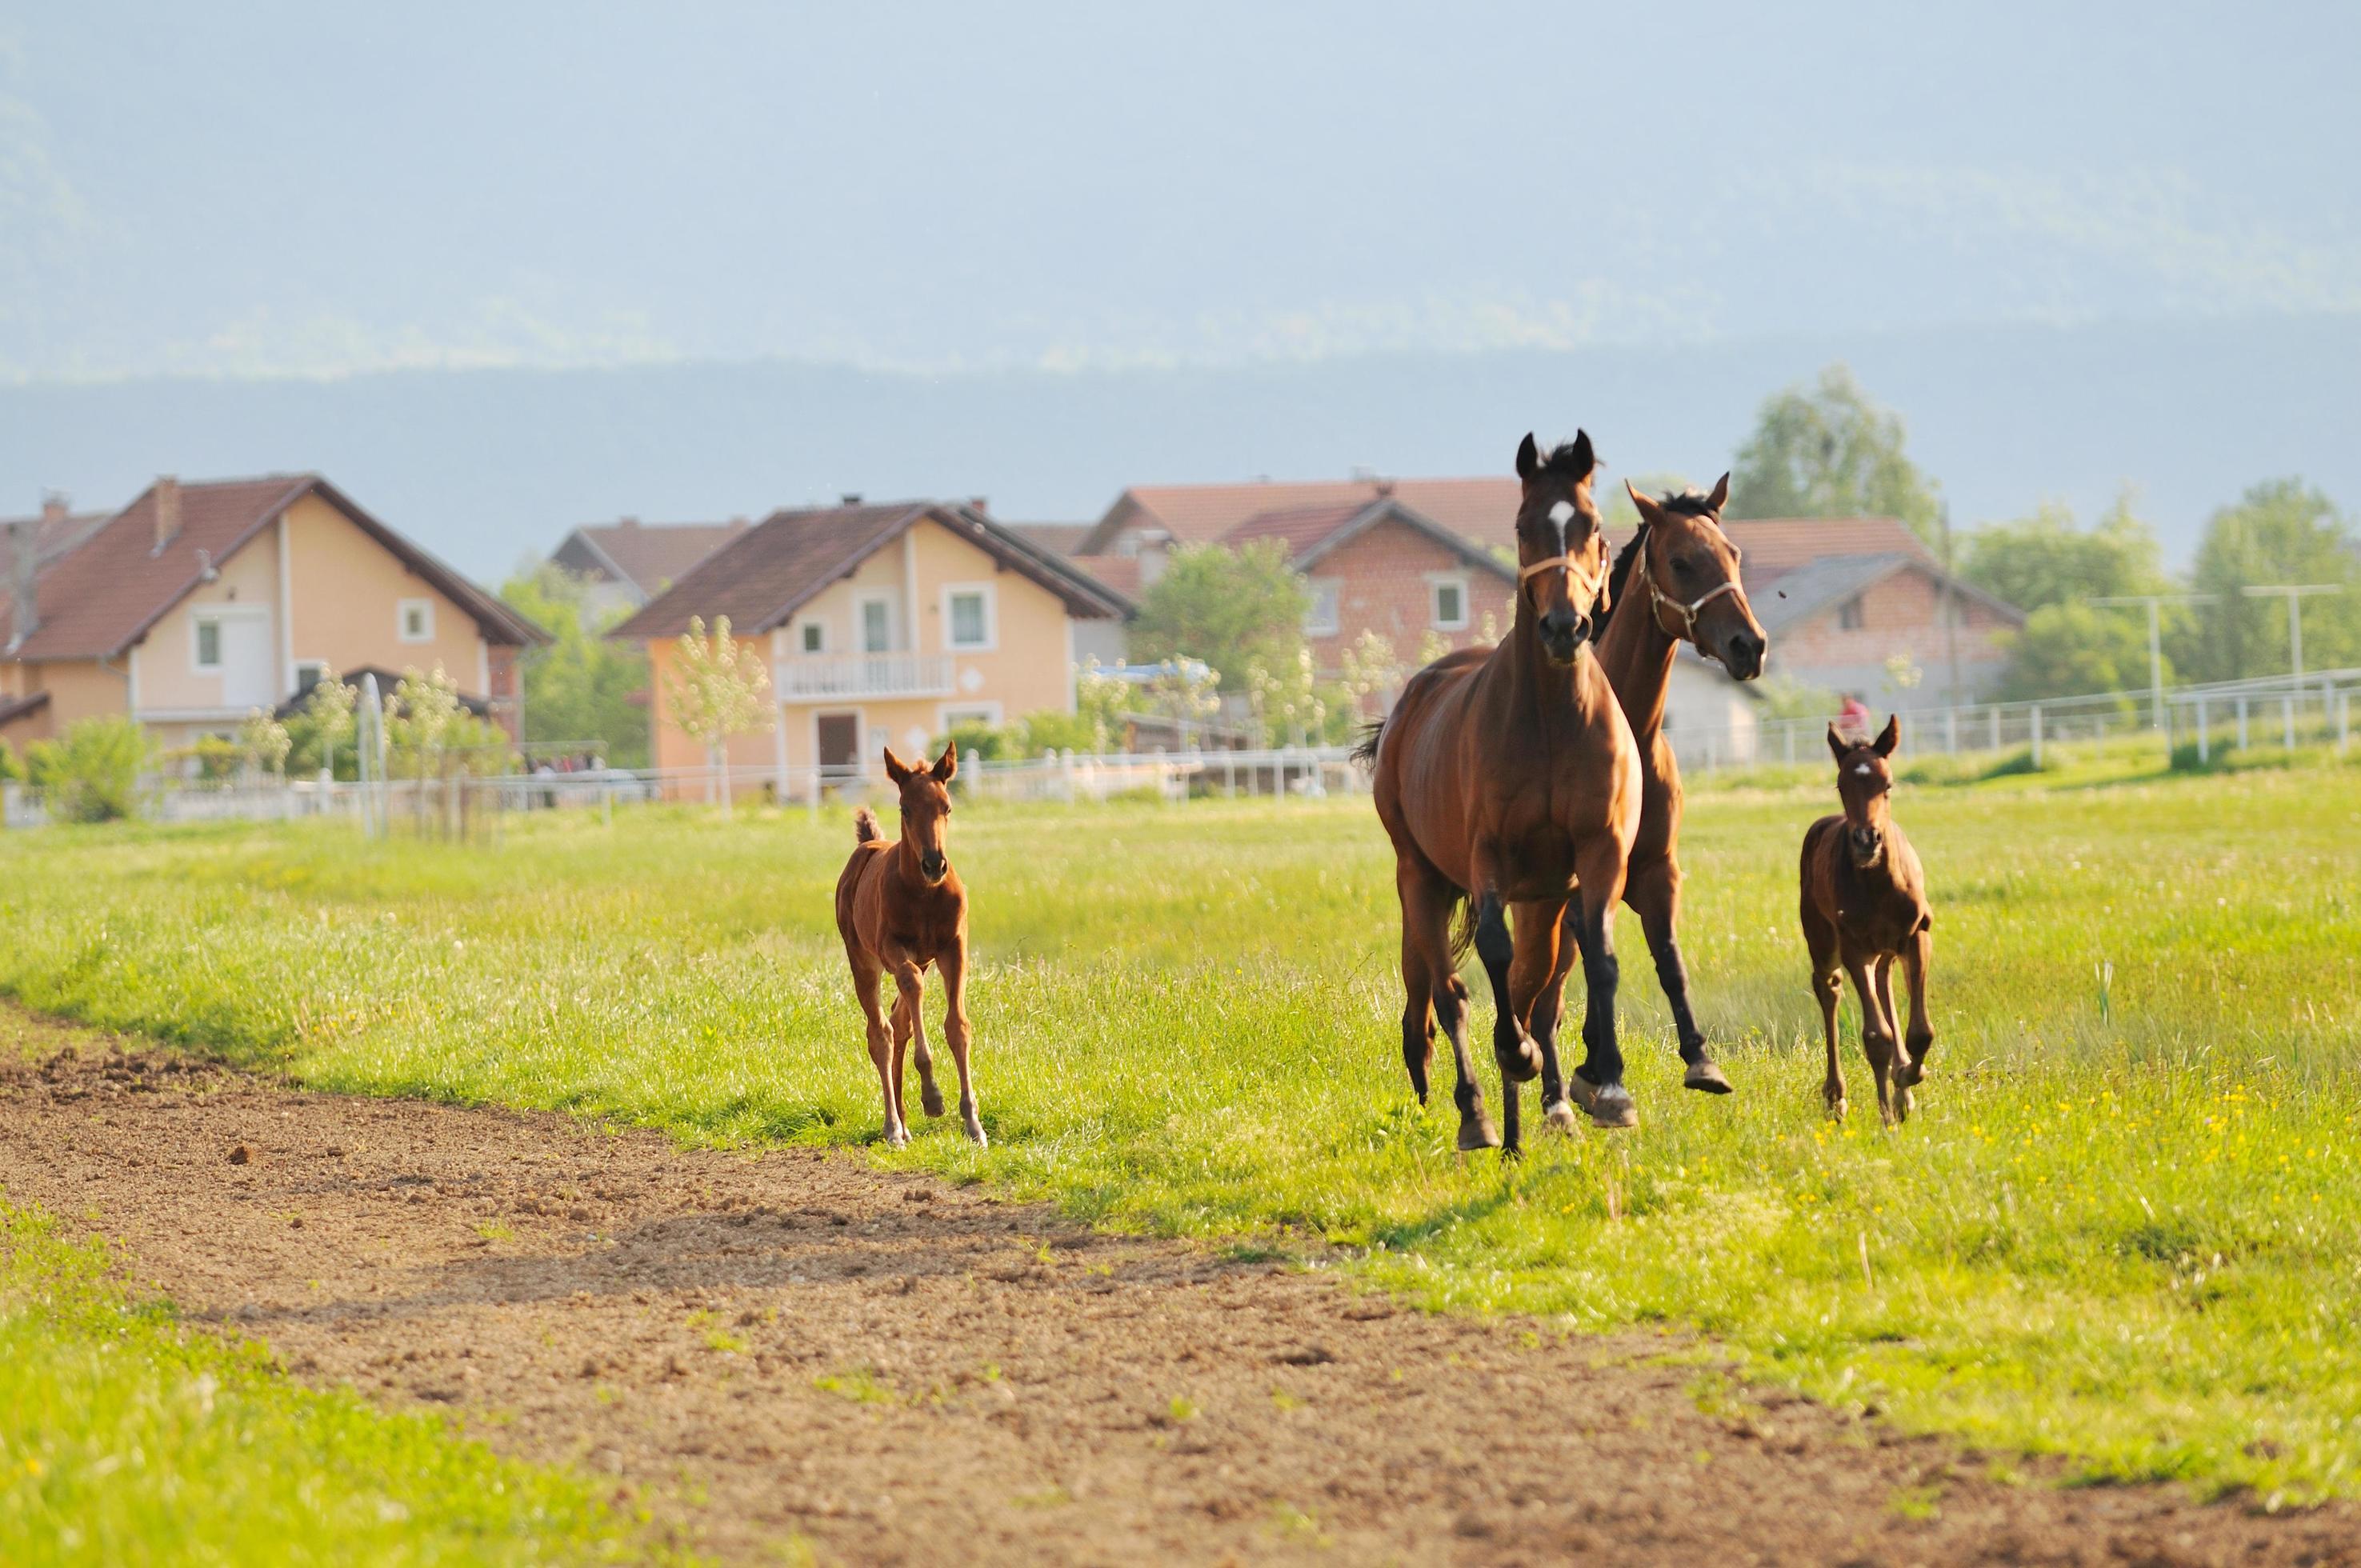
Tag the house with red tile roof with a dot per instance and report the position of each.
(198, 603)
(880, 624)
(628, 563)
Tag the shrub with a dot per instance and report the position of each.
(12, 770)
(91, 774)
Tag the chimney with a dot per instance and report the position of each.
(1155, 554)
(627, 523)
(23, 571)
(167, 511)
(55, 509)
(978, 505)
(849, 497)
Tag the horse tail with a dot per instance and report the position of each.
(864, 826)
(1365, 750)
(1462, 931)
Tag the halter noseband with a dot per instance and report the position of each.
(1589, 594)
(1658, 602)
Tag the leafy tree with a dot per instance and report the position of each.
(263, 742)
(2046, 559)
(2280, 531)
(1369, 668)
(1831, 452)
(719, 689)
(581, 687)
(1287, 700)
(12, 770)
(1229, 607)
(92, 772)
(2074, 650)
(320, 732)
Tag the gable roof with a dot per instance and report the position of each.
(57, 532)
(1483, 511)
(1819, 585)
(647, 555)
(13, 708)
(1312, 533)
(103, 594)
(768, 573)
(1058, 537)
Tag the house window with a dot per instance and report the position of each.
(415, 619)
(983, 713)
(1320, 619)
(309, 673)
(1849, 615)
(814, 637)
(209, 659)
(967, 617)
(1449, 596)
(878, 625)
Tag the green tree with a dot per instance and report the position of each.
(1232, 609)
(2074, 650)
(582, 688)
(2281, 531)
(320, 732)
(2046, 558)
(263, 743)
(1829, 451)
(12, 771)
(92, 772)
(719, 689)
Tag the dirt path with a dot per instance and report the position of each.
(901, 1371)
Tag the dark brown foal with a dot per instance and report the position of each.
(1865, 905)
(900, 907)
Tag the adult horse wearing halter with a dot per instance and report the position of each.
(1675, 582)
(1507, 777)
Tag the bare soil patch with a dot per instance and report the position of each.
(901, 1371)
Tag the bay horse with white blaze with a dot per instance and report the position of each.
(1508, 777)
(1675, 581)
(900, 907)
(1865, 906)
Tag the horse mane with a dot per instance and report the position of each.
(1564, 459)
(1618, 576)
(1691, 502)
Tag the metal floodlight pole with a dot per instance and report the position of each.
(2295, 594)
(2155, 603)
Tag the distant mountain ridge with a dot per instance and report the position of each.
(484, 466)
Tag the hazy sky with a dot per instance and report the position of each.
(307, 188)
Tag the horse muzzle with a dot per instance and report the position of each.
(933, 864)
(1866, 844)
(1742, 654)
(1562, 633)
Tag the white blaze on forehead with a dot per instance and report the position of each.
(1862, 768)
(1561, 514)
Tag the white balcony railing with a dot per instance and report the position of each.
(827, 677)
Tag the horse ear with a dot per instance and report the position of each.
(1649, 511)
(1528, 459)
(896, 769)
(947, 765)
(1585, 459)
(1836, 742)
(1721, 497)
(1890, 737)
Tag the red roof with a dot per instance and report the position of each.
(763, 575)
(103, 594)
(651, 555)
(1483, 511)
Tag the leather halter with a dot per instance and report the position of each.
(1589, 594)
(1658, 602)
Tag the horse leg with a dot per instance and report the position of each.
(1509, 1048)
(1915, 959)
(913, 1033)
(1599, 865)
(1427, 903)
(905, 981)
(1537, 984)
(1876, 1034)
(1411, 883)
(953, 963)
(1901, 1064)
(1654, 894)
(1821, 938)
(865, 975)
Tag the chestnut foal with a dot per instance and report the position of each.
(900, 907)
(1865, 906)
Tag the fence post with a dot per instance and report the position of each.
(2287, 720)
(1789, 727)
(1951, 731)
(1992, 713)
(2242, 724)
(2037, 737)
(2344, 720)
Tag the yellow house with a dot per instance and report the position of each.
(198, 603)
(880, 625)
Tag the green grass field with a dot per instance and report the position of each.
(2124, 1226)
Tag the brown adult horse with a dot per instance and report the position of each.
(1675, 582)
(1507, 776)
(900, 907)
(1865, 905)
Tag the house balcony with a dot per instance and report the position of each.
(841, 677)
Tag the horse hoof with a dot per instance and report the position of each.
(897, 1139)
(1837, 1108)
(1583, 1090)
(1613, 1107)
(1705, 1076)
(1904, 1104)
(1520, 1064)
(975, 1133)
(932, 1100)
(1560, 1115)
(1476, 1133)
(1912, 1075)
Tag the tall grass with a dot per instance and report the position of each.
(2123, 1226)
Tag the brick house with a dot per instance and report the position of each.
(1380, 567)
(198, 603)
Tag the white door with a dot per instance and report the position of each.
(246, 661)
